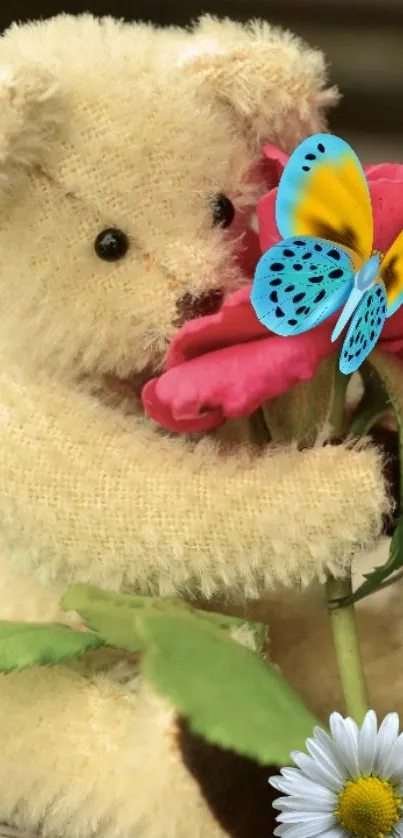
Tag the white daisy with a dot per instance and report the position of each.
(349, 786)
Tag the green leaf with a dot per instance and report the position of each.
(228, 694)
(301, 413)
(378, 576)
(112, 614)
(36, 644)
(387, 376)
(374, 403)
(230, 624)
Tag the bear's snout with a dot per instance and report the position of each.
(189, 306)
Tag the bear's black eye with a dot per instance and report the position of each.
(111, 244)
(223, 211)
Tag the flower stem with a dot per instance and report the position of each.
(338, 413)
(345, 640)
(258, 431)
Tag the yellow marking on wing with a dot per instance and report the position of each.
(391, 271)
(335, 205)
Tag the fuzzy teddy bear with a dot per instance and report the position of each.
(129, 171)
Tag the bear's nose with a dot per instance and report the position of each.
(189, 307)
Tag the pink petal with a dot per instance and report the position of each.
(268, 232)
(249, 254)
(236, 380)
(266, 214)
(393, 329)
(161, 412)
(227, 365)
(275, 162)
(384, 171)
(387, 206)
(235, 323)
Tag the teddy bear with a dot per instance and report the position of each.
(130, 167)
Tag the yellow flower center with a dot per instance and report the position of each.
(368, 807)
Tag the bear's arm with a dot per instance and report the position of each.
(88, 494)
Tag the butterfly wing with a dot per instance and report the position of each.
(391, 272)
(364, 329)
(299, 283)
(323, 192)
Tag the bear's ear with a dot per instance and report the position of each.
(30, 115)
(272, 81)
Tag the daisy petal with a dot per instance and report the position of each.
(387, 735)
(353, 726)
(324, 740)
(327, 818)
(330, 748)
(367, 743)
(289, 775)
(322, 801)
(398, 829)
(392, 767)
(327, 762)
(308, 830)
(301, 786)
(289, 778)
(345, 737)
(311, 787)
(278, 783)
(317, 773)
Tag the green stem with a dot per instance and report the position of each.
(345, 640)
(338, 412)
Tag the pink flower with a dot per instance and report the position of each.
(227, 365)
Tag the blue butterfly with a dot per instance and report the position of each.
(326, 259)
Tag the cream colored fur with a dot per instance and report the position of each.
(106, 124)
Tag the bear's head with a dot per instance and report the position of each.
(129, 170)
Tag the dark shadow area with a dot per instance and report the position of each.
(235, 788)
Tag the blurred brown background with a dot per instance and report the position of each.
(363, 40)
